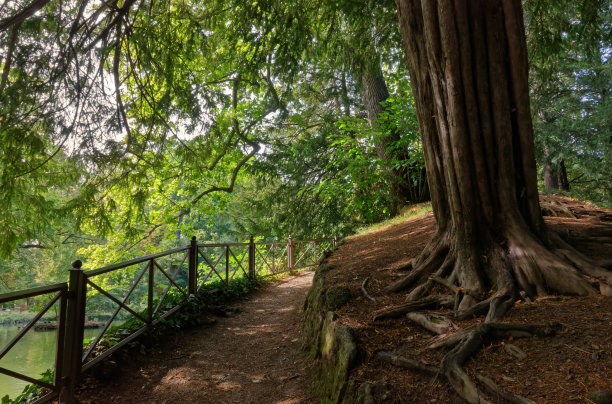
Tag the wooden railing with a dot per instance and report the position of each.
(183, 270)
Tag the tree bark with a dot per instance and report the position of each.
(551, 178)
(563, 181)
(468, 66)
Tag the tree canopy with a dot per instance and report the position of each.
(140, 122)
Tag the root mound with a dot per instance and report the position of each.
(565, 367)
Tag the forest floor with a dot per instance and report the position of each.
(254, 356)
(565, 368)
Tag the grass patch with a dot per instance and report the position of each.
(408, 212)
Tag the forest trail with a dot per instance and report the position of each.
(253, 356)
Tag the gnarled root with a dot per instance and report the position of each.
(365, 292)
(437, 324)
(497, 392)
(406, 363)
(488, 280)
(432, 258)
(428, 303)
(469, 341)
(487, 273)
(465, 344)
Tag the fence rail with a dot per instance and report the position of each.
(184, 270)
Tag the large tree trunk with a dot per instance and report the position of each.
(402, 188)
(468, 66)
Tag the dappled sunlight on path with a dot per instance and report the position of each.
(251, 357)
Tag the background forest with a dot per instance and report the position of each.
(127, 127)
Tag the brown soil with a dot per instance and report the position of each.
(562, 369)
(253, 356)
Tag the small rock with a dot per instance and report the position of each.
(601, 397)
(596, 356)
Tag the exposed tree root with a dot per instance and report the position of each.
(428, 303)
(432, 258)
(556, 206)
(497, 392)
(556, 210)
(490, 280)
(465, 344)
(437, 324)
(365, 292)
(406, 363)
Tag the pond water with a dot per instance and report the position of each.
(33, 355)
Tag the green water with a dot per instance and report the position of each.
(33, 355)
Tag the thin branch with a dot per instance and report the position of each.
(230, 187)
(9, 56)
(27, 246)
(21, 16)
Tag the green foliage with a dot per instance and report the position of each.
(125, 134)
(31, 392)
(570, 74)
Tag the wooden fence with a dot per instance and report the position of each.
(184, 271)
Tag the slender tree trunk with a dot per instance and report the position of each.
(345, 98)
(468, 66)
(551, 179)
(563, 181)
(549, 172)
(402, 188)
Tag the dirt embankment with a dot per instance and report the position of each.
(565, 368)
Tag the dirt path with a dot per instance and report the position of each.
(253, 356)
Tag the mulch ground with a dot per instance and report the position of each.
(565, 368)
(252, 356)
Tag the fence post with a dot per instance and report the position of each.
(227, 258)
(73, 348)
(290, 256)
(273, 259)
(192, 276)
(151, 291)
(58, 377)
(335, 240)
(252, 272)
